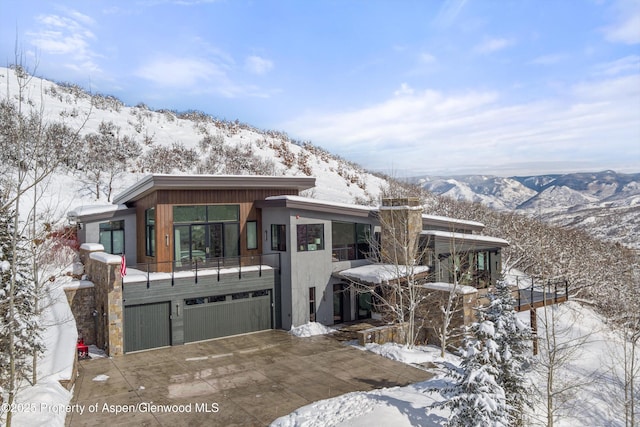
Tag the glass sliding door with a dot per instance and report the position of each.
(231, 240)
(216, 241)
(182, 243)
(199, 248)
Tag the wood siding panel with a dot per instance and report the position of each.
(164, 200)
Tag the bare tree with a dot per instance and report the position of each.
(559, 347)
(106, 155)
(32, 150)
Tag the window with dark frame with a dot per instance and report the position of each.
(150, 231)
(278, 237)
(252, 234)
(312, 304)
(310, 237)
(112, 237)
(350, 241)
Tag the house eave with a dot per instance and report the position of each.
(302, 203)
(156, 182)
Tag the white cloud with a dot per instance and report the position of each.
(427, 129)
(180, 72)
(258, 65)
(624, 65)
(493, 45)
(427, 58)
(550, 59)
(196, 75)
(626, 28)
(405, 89)
(67, 35)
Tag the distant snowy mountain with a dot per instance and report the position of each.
(606, 204)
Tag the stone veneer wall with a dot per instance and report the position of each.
(82, 303)
(104, 271)
(465, 303)
(401, 224)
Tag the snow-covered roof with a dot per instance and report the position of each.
(464, 237)
(448, 287)
(382, 273)
(86, 211)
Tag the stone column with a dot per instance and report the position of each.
(401, 224)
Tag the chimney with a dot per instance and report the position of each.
(401, 224)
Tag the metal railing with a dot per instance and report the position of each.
(219, 266)
(545, 293)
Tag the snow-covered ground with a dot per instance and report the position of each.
(594, 401)
(43, 404)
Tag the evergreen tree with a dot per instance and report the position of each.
(19, 329)
(512, 337)
(490, 388)
(476, 398)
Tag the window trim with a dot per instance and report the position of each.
(302, 235)
(150, 233)
(279, 237)
(110, 227)
(252, 244)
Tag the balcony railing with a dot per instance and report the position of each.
(539, 295)
(200, 267)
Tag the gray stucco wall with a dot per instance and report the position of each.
(304, 269)
(90, 233)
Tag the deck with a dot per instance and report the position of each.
(530, 300)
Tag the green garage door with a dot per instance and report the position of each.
(214, 317)
(147, 326)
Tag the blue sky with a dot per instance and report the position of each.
(406, 87)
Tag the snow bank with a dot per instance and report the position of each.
(400, 353)
(56, 363)
(310, 329)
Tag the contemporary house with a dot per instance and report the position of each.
(210, 256)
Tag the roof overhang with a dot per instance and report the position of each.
(98, 213)
(308, 204)
(156, 182)
(452, 223)
(474, 241)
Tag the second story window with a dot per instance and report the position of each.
(150, 231)
(278, 237)
(310, 237)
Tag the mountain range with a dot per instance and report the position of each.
(606, 204)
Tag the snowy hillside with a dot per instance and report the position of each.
(169, 133)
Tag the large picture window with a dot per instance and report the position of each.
(112, 237)
(350, 240)
(310, 237)
(203, 232)
(278, 237)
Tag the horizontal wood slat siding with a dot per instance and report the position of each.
(164, 200)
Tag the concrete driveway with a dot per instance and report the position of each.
(244, 380)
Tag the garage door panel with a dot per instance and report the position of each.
(206, 321)
(147, 326)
